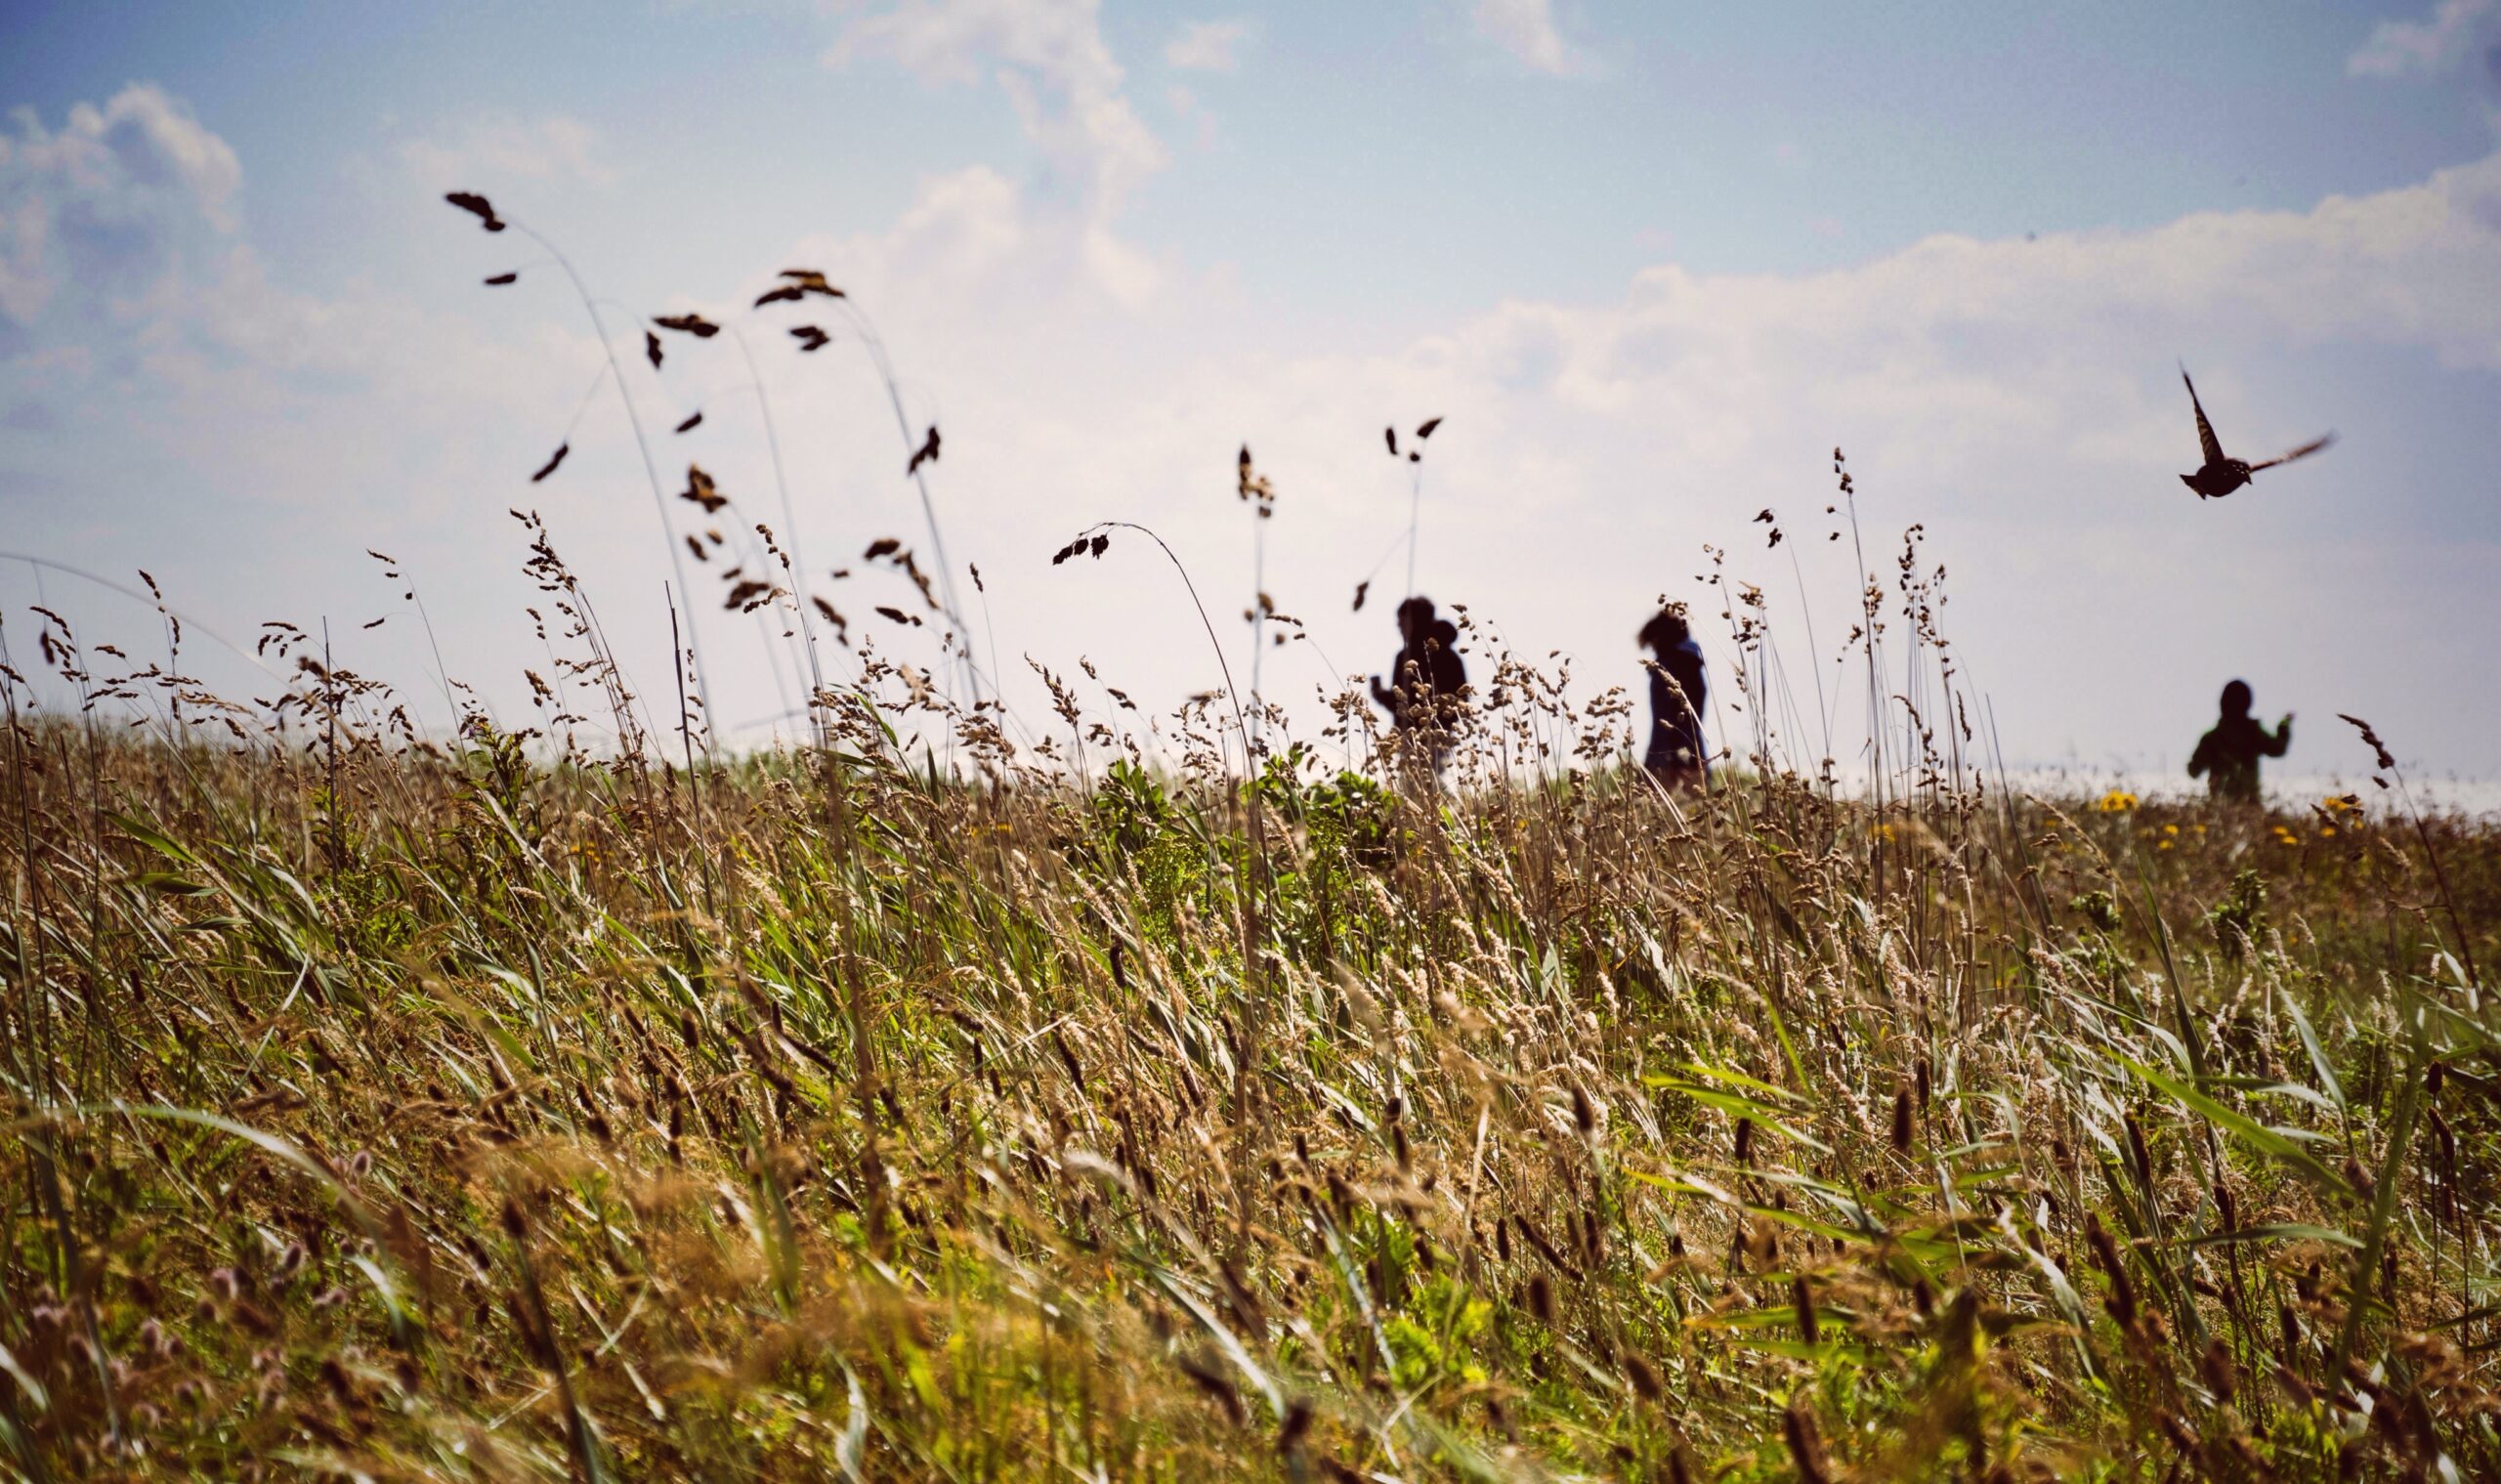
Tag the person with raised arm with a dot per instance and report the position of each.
(2227, 756)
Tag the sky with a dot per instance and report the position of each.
(1650, 265)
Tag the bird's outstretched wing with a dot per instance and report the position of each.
(2206, 440)
(2303, 452)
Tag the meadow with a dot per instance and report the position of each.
(958, 1095)
(389, 1107)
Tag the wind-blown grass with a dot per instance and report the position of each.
(430, 1112)
(521, 1106)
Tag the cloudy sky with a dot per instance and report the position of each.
(1651, 264)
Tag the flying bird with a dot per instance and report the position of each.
(2220, 475)
(926, 454)
(810, 338)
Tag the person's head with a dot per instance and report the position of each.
(2236, 698)
(1664, 631)
(1416, 619)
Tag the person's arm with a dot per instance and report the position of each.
(1384, 697)
(2277, 745)
(2198, 761)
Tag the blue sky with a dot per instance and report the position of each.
(1651, 264)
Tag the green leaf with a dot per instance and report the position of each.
(1731, 1103)
(2317, 1056)
(2278, 1231)
(2277, 1144)
(1226, 1341)
(1723, 1074)
(392, 1305)
(154, 840)
(1770, 1317)
(2306, 1094)
(166, 883)
(26, 1383)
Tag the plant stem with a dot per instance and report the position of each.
(876, 348)
(790, 526)
(1414, 514)
(642, 444)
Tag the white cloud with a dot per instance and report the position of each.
(1526, 29)
(125, 257)
(129, 288)
(1209, 46)
(107, 203)
(1050, 57)
(481, 150)
(2454, 29)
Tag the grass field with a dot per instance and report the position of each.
(391, 1109)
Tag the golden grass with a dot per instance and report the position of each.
(434, 1114)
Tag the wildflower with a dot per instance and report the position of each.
(2116, 801)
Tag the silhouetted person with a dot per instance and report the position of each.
(1675, 754)
(2220, 474)
(1427, 677)
(2227, 757)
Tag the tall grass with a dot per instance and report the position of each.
(402, 1109)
